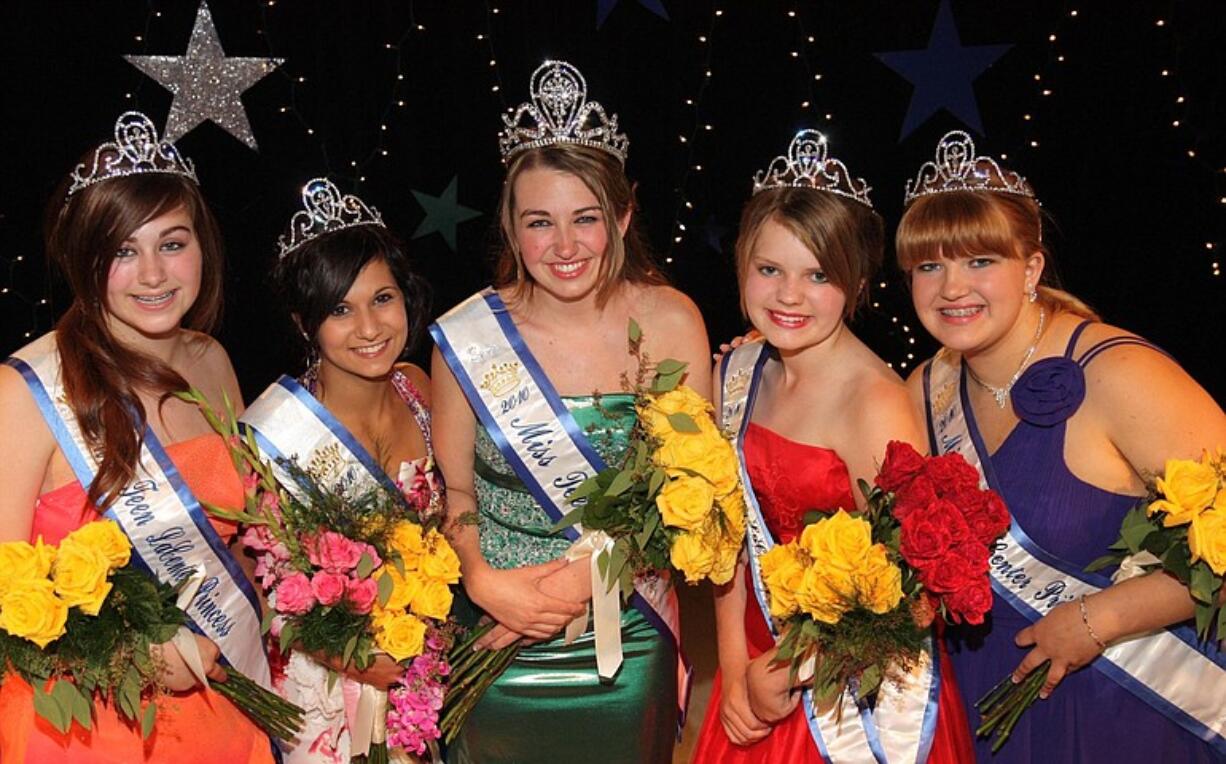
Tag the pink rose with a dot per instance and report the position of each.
(361, 594)
(328, 588)
(258, 538)
(294, 595)
(333, 552)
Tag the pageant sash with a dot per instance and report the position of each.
(901, 726)
(535, 432)
(1167, 669)
(170, 532)
(290, 424)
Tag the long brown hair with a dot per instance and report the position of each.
(958, 224)
(101, 375)
(627, 257)
(845, 237)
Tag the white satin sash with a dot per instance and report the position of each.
(169, 530)
(1166, 669)
(901, 726)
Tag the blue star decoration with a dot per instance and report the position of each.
(443, 213)
(605, 7)
(943, 73)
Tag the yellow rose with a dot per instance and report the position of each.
(1207, 539)
(878, 582)
(440, 562)
(682, 400)
(708, 454)
(80, 576)
(817, 598)
(404, 588)
(105, 536)
(1187, 487)
(20, 560)
(685, 502)
(690, 555)
(407, 539)
(838, 541)
(400, 636)
(733, 506)
(433, 600)
(33, 612)
(783, 569)
(725, 564)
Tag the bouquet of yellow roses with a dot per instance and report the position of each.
(82, 617)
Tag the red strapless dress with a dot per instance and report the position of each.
(790, 479)
(196, 727)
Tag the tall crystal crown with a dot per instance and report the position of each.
(958, 169)
(559, 112)
(326, 210)
(137, 149)
(807, 166)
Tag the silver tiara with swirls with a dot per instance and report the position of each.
(326, 210)
(956, 168)
(137, 149)
(807, 166)
(559, 112)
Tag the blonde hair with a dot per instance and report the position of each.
(846, 237)
(627, 257)
(958, 224)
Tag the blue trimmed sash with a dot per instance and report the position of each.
(901, 726)
(1167, 669)
(169, 530)
(535, 432)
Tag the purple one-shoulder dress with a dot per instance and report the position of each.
(1088, 718)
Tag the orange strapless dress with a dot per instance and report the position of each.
(196, 727)
(790, 479)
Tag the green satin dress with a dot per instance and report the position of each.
(550, 705)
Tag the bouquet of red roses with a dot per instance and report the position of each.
(854, 592)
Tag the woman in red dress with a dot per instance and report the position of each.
(825, 408)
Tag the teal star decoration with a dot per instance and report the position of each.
(943, 73)
(443, 213)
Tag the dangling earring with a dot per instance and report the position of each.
(310, 376)
(1032, 295)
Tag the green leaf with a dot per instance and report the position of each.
(332, 677)
(1204, 618)
(386, 585)
(398, 562)
(1135, 527)
(147, 719)
(870, 680)
(655, 482)
(649, 527)
(82, 709)
(349, 647)
(683, 422)
(670, 366)
(665, 382)
(1107, 560)
(584, 490)
(366, 564)
(287, 637)
(46, 706)
(569, 519)
(634, 332)
(266, 621)
(602, 565)
(1203, 584)
(621, 482)
(1221, 623)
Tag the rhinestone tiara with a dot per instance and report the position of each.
(807, 166)
(559, 112)
(137, 149)
(958, 169)
(326, 210)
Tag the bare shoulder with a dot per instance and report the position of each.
(22, 421)
(15, 397)
(418, 378)
(883, 408)
(211, 369)
(666, 307)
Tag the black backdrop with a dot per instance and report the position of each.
(1137, 200)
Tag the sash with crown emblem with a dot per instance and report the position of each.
(534, 431)
(1167, 669)
(901, 725)
(170, 532)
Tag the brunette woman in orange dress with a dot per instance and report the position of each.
(141, 252)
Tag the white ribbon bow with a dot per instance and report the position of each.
(605, 607)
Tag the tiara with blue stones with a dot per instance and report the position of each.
(325, 210)
(806, 165)
(956, 168)
(559, 112)
(137, 149)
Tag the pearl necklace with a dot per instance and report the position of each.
(1001, 394)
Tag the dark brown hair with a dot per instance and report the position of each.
(627, 258)
(959, 224)
(846, 237)
(101, 375)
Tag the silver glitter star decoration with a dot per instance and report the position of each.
(206, 84)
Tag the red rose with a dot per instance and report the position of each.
(902, 463)
(947, 514)
(989, 519)
(970, 603)
(951, 475)
(922, 541)
(957, 569)
(918, 495)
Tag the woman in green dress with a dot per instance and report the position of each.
(529, 398)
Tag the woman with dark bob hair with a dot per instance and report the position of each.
(1066, 417)
(358, 412)
(89, 417)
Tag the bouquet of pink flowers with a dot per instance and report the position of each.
(350, 573)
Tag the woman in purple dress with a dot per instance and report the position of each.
(1065, 416)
